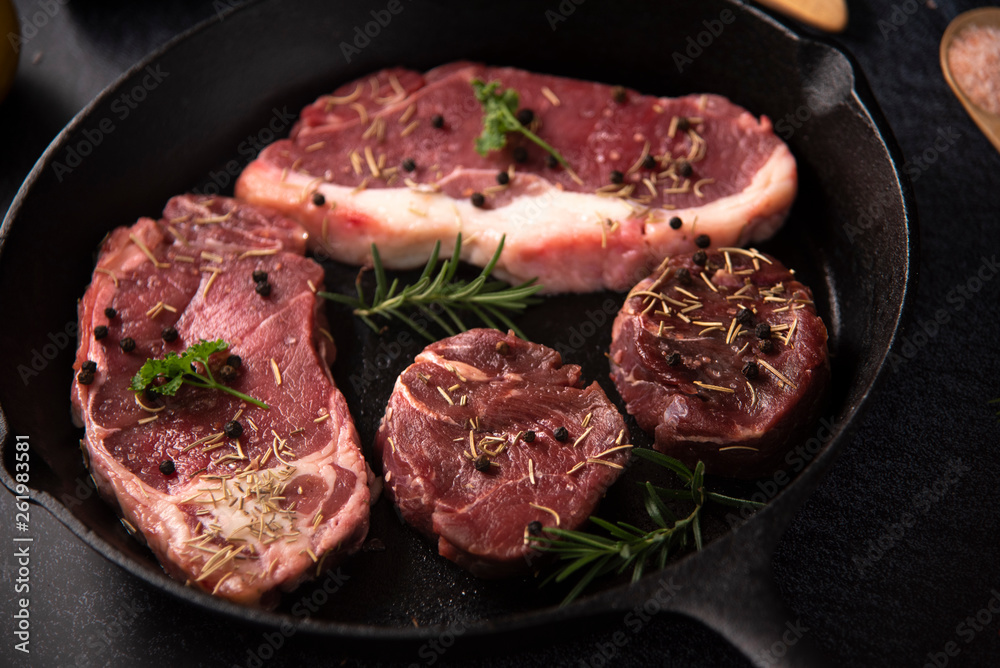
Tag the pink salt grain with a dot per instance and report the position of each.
(974, 58)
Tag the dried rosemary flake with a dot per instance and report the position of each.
(717, 388)
(777, 373)
(604, 463)
(582, 436)
(148, 253)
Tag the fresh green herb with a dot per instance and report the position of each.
(996, 401)
(179, 369)
(500, 118)
(486, 301)
(595, 555)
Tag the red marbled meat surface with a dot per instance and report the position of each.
(293, 489)
(676, 331)
(577, 233)
(498, 388)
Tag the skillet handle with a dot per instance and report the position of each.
(737, 597)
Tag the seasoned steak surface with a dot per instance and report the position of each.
(241, 515)
(486, 434)
(723, 361)
(391, 159)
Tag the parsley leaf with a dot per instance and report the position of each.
(500, 119)
(179, 369)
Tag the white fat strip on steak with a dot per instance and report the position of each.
(408, 222)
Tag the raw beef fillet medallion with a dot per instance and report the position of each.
(235, 499)
(488, 439)
(391, 159)
(722, 357)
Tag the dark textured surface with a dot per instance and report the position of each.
(894, 611)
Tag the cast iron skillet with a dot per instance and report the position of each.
(211, 95)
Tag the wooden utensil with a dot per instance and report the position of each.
(988, 122)
(828, 15)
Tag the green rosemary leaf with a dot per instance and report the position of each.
(655, 507)
(438, 292)
(616, 530)
(580, 562)
(674, 465)
(731, 501)
(500, 119)
(479, 313)
(629, 545)
(696, 529)
(586, 579)
(176, 370)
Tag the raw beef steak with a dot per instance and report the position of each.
(488, 438)
(240, 511)
(391, 159)
(722, 357)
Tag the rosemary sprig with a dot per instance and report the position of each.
(176, 370)
(628, 546)
(433, 296)
(500, 119)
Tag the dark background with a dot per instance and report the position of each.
(870, 590)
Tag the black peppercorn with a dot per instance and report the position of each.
(234, 361)
(110, 313)
(683, 276)
(702, 241)
(85, 377)
(233, 429)
(750, 370)
(482, 463)
(649, 162)
(478, 200)
(100, 332)
(675, 223)
(520, 154)
(167, 467)
(503, 178)
(700, 258)
(684, 168)
(535, 528)
(503, 347)
(318, 199)
(409, 165)
(227, 373)
(617, 177)
(127, 344)
(551, 162)
(259, 275)
(560, 434)
(169, 334)
(263, 288)
(89, 365)
(683, 124)
(674, 358)
(437, 121)
(766, 346)
(529, 436)
(618, 94)
(525, 116)
(762, 331)
(744, 316)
